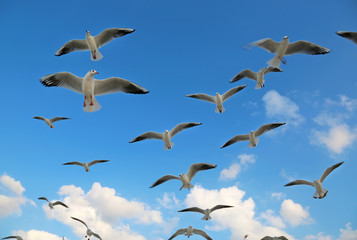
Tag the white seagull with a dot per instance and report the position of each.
(93, 43)
(317, 184)
(284, 48)
(205, 212)
(90, 87)
(256, 76)
(190, 231)
(251, 137)
(50, 121)
(17, 237)
(86, 165)
(218, 99)
(89, 232)
(185, 178)
(167, 135)
(349, 35)
(51, 205)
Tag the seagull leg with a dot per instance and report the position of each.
(84, 104)
(91, 101)
(94, 56)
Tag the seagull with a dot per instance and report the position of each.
(218, 99)
(50, 121)
(167, 135)
(274, 238)
(256, 76)
(349, 35)
(50, 204)
(317, 184)
(190, 231)
(17, 237)
(206, 212)
(251, 137)
(285, 48)
(93, 43)
(86, 165)
(89, 232)
(185, 178)
(90, 87)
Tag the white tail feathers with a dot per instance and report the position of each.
(220, 110)
(260, 85)
(206, 218)
(92, 108)
(96, 55)
(167, 147)
(255, 144)
(317, 195)
(274, 62)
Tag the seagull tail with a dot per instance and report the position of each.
(167, 147)
(96, 56)
(317, 195)
(206, 218)
(220, 110)
(92, 108)
(260, 85)
(256, 143)
(274, 62)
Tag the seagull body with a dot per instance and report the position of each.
(349, 35)
(185, 178)
(51, 205)
(17, 237)
(317, 184)
(90, 87)
(50, 121)
(89, 232)
(93, 43)
(252, 136)
(86, 165)
(218, 99)
(189, 231)
(284, 48)
(167, 135)
(256, 76)
(205, 212)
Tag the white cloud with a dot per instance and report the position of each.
(277, 195)
(319, 236)
(232, 171)
(272, 219)
(37, 235)
(12, 202)
(246, 159)
(294, 213)
(348, 233)
(227, 218)
(169, 201)
(282, 108)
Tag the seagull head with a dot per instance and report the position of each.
(285, 37)
(88, 32)
(166, 131)
(217, 93)
(93, 72)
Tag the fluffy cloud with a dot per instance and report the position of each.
(12, 202)
(294, 213)
(348, 233)
(272, 219)
(277, 195)
(282, 108)
(37, 235)
(319, 236)
(232, 171)
(169, 201)
(246, 223)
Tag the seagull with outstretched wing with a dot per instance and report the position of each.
(50, 121)
(85, 165)
(52, 204)
(89, 232)
(205, 212)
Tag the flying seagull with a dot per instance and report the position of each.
(86, 165)
(17, 237)
(274, 238)
(251, 137)
(167, 135)
(190, 231)
(50, 121)
(185, 178)
(284, 48)
(93, 43)
(317, 184)
(205, 212)
(256, 76)
(50, 204)
(349, 35)
(218, 99)
(90, 87)
(89, 232)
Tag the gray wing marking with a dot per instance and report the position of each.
(232, 91)
(306, 48)
(267, 127)
(109, 34)
(329, 170)
(247, 73)
(178, 128)
(63, 79)
(116, 84)
(73, 45)
(204, 97)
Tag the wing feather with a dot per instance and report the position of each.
(97, 161)
(267, 127)
(178, 128)
(237, 138)
(147, 135)
(116, 84)
(232, 91)
(196, 167)
(306, 48)
(164, 179)
(63, 79)
(329, 170)
(193, 209)
(109, 34)
(73, 45)
(246, 73)
(204, 97)
(299, 182)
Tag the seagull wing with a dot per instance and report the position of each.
(267, 43)
(202, 233)
(219, 207)
(60, 203)
(193, 209)
(178, 232)
(97, 161)
(55, 119)
(299, 182)
(247, 73)
(74, 163)
(267, 127)
(97, 236)
(17, 237)
(148, 135)
(202, 96)
(232, 91)
(272, 69)
(329, 170)
(73, 45)
(39, 118)
(79, 220)
(235, 139)
(63, 79)
(349, 35)
(178, 128)
(43, 198)
(164, 179)
(306, 48)
(109, 34)
(116, 84)
(196, 167)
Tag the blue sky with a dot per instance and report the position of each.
(178, 48)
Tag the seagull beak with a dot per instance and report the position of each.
(96, 72)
